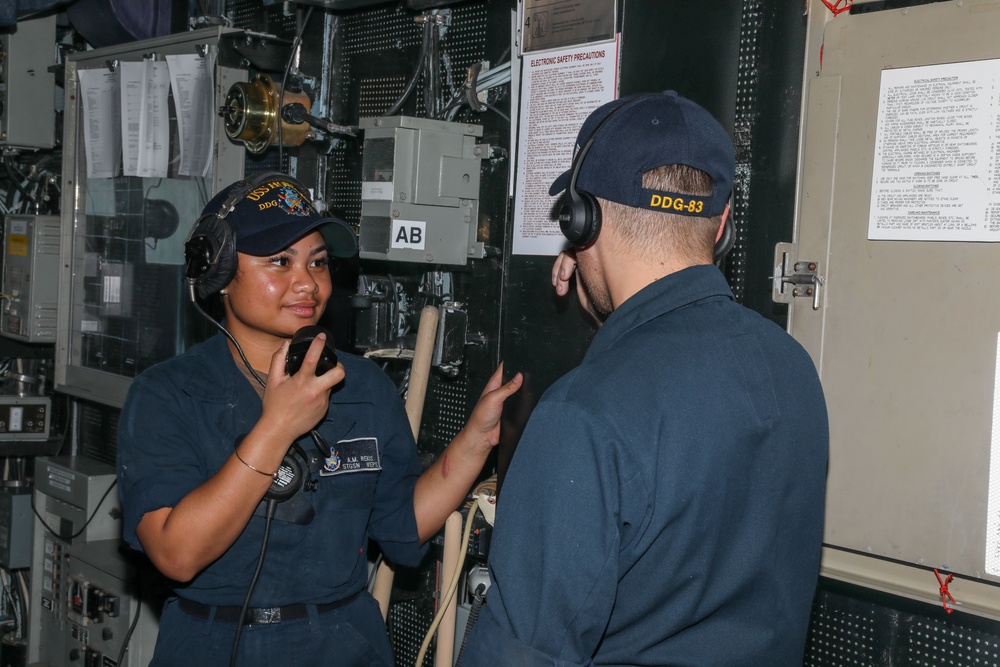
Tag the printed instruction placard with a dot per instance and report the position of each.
(934, 176)
(102, 137)
(559, 90)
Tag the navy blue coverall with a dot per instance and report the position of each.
(179, 424)
(664, 505)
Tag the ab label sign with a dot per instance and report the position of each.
(410, 234)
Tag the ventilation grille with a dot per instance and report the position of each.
(840, 636)
(250, 14)
(98, 432)
(448, 406)
(746, 108)
(377, 56)
(410, 620)
(941, 644)
(856, 627)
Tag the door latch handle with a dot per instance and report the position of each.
(795, 277)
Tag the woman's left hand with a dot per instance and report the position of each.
(441, 488)
(484, 423)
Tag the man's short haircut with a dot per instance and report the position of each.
(652, 232)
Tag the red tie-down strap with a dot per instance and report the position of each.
(838, 6)
(945, 593)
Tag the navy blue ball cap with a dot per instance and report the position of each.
(276, 212)
(636, 133)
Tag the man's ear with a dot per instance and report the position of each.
(722, 224)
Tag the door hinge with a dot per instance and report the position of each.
(795, 277)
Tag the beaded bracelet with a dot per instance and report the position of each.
(272, 475)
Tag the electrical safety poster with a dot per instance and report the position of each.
(559, 90)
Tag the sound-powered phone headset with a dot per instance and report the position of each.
(210, 248)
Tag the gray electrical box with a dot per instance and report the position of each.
(420, 190)
(27, 87)
(30, 278)
(85, 587)
(15, 528)
(25, 418)
(87, 506)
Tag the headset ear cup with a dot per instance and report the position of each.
(580, 218)
(594, 219)
(571, 217)
(726, 241)
(210, 248)
(210, 254)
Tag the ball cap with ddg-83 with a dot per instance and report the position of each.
(646, 131)
(277, 212)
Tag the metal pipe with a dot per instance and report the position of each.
(445, 652)
(419, 375)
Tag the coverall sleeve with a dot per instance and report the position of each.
(157, 462)
(393, 524)
(555, 552)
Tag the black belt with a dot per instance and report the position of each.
(259, 615)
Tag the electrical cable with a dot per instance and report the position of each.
(478, 598)
(135, 621)
(494, 77)
(405, 354)
(412, 83)
(22, 585)
(432, 77)
(284, 77)
(497, 111)
(228, 335)
(295, 113)
(452, 587)
(272, 505)
(78, 533)
(13, 174)
(471, 86)
(321, 444)
(476, 83)
(503, 56)
(10, 600)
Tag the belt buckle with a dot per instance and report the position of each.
(262, 616)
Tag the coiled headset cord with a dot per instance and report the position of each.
(232, 339)
(272, 506)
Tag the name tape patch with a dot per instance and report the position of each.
(357, 455)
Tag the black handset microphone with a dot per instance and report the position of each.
(301, 341)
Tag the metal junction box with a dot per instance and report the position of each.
(24, 418)
(420, 190)
(16, 524)
(85, 587)
(27, 87)
(30, 278)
